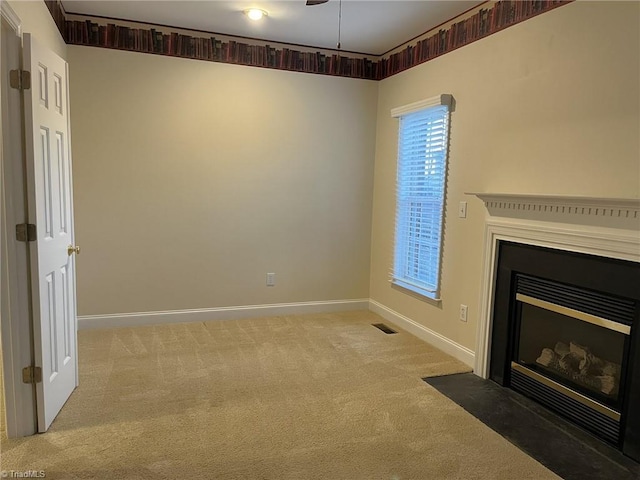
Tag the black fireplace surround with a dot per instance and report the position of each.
(529, 278)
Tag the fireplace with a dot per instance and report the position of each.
(578, 354)
(562, 334)
(561, 316)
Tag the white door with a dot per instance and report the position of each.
(50, 208)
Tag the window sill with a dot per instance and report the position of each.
(436, 302)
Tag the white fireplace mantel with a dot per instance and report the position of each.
(612, 212)
(607, 227)
(559, 200)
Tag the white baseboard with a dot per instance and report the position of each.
(439, 341)
(87, 322)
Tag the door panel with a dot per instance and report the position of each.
(50, 208)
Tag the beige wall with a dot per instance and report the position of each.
(193, 180)
(37, 20)
(547, 106)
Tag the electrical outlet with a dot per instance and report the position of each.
(271, 279)
(463, 313)
(462, 210)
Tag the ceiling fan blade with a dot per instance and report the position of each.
(311, 3)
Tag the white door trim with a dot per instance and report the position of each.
(11, 17)
(14, 283)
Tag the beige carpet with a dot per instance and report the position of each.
(301, 397)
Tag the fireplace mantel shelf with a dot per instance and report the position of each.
(560, 207)
(558, 200)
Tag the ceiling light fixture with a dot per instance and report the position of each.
(339, 23)
(255, 13)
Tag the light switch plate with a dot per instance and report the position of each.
(462, 210)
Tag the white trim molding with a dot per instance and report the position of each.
(622, 213)
(423, 333)
(14, 281)
(11, 17)
(572, 224)
(520, 201)
(444, 99)
(88, 322)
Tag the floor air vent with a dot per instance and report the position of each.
(384, 328)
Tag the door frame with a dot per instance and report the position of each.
(15, 303)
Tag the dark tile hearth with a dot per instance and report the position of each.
(582, 313)
(562, 447)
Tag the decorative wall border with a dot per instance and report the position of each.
(484, 22)
(161, 41)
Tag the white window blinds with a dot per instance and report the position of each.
(423, 143)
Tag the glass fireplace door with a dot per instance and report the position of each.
(580, 351)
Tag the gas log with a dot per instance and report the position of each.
(576, 363)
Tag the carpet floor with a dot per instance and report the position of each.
(324, 396)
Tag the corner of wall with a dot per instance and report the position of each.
(445, 344)
(37, 20)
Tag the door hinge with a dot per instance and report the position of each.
(20, 79)
(32, 375)
(26, 232)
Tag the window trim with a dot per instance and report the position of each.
(407, 287)
(444, 99)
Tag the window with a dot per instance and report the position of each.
(423, 143)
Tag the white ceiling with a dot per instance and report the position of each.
(368, 26)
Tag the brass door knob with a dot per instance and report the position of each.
(71, 250)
